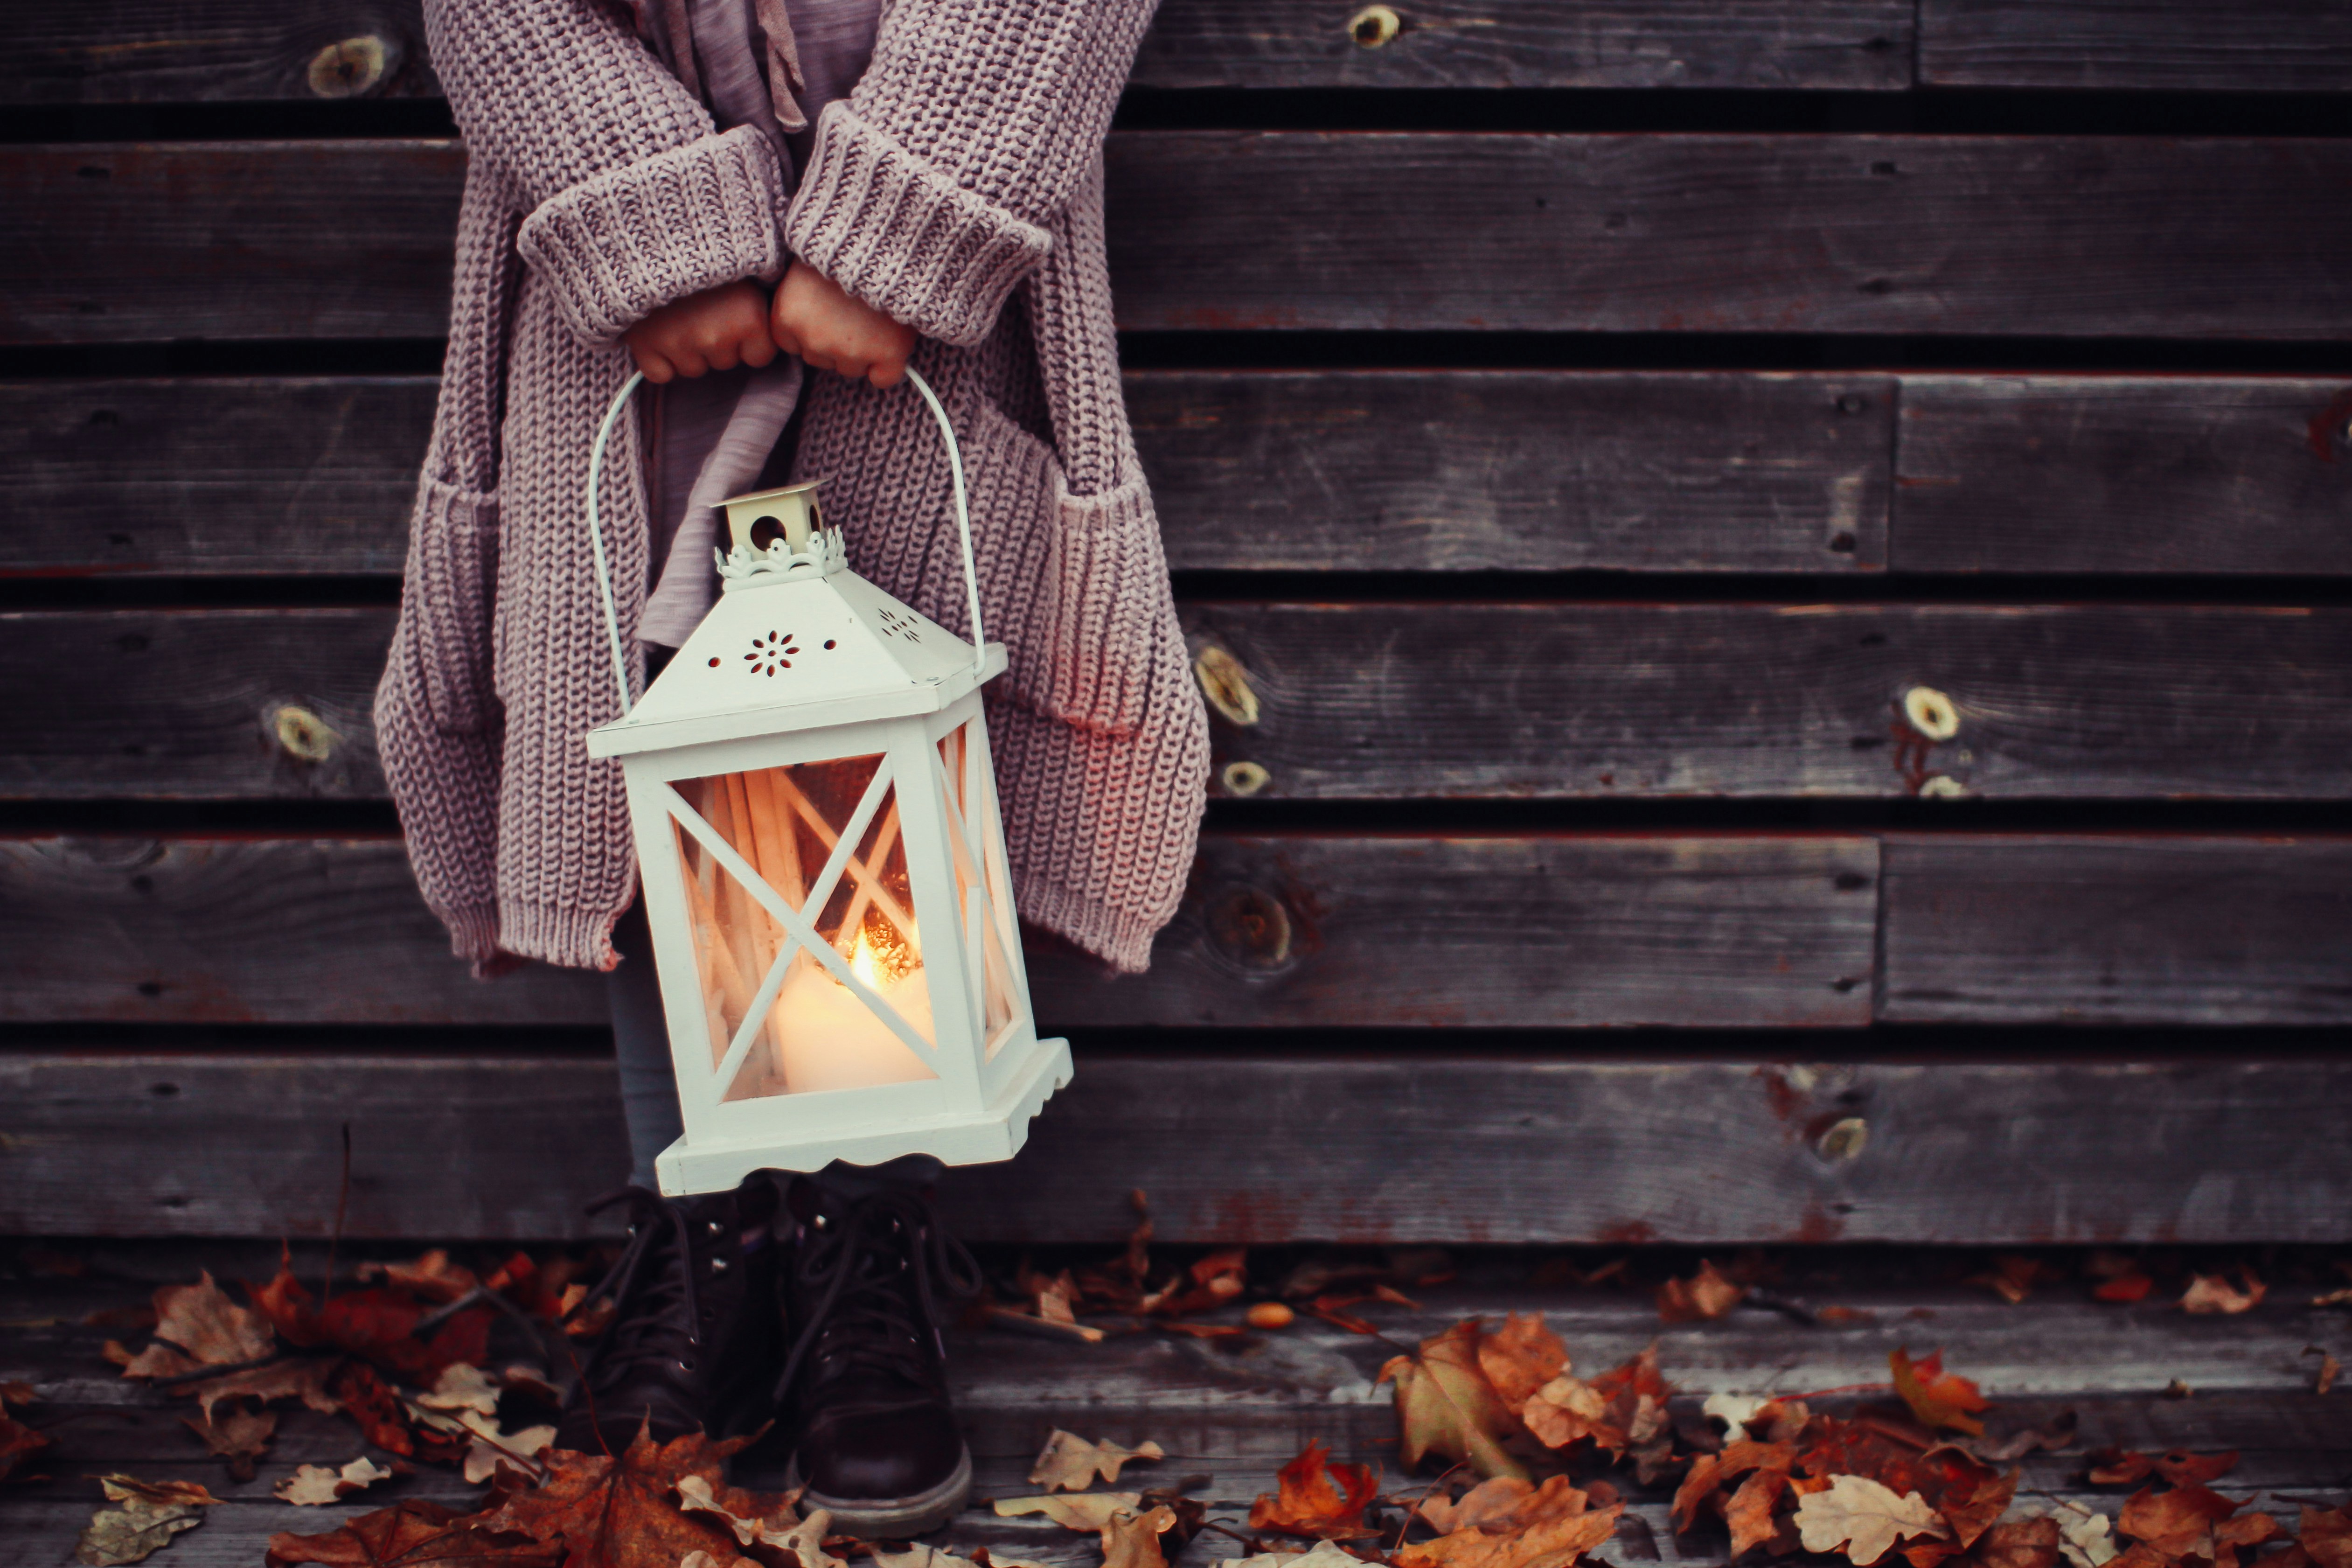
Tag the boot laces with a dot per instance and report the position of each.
(877, 1272)
(651, 1286)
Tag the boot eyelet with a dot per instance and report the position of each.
(686, 1366)
(713, 1227)
(719, 1265)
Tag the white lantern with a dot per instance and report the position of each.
(824, 866)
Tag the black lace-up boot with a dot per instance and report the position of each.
(864, 1387)
(694, 1340)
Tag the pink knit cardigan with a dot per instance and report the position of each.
(959, 190)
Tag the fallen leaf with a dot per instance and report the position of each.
(2329, 1368)
(432, 1277)
(617, 1512)
(1087, 1510)
(1970, 1506)
(1513, 1524)
(462, 1387)
(1132, 1540)
(241, 1436)
(2210, 1293)
(2119, 1467)
(211, 1330)
(1567, 1409)
(2086, 1537)
(1863, 1519)
(1323, 1554)
(2017, 1544)
(2011, 1278)
(2327, 1535)
(2059, 1432)
(17, 1441)
(1315, 1497)
(1707, 1294)
(486, 1452)
(1622, 1408)
(1936, 1398)
(134, 1533)
(1700, 1482)
(122, 1489)
(919, 1555)
(754, 1519)
(2180, 1523)
(1519, 1358)
(1843, 1317)
(1446, 1406)
(1733, 1410)
(1068, 1463)
(1750, 1511)
(414, 1533)
(312, 1486)
(2123, 1289)
(305, 1379)
(362, 1394)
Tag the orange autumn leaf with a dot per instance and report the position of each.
(2020, 1543)
(1971, 1506)
(2327, 1535)
(2210, 1293)
(1750, 1511)
(621, 1512)
(1446, 1406)
(18, 1442)
(2115, 1466)
(1707, 1294)
(2123, 1289)
(1936, 1398)
(1509, 1523)
(2180, 1523)
(416, 1531)
(1316, 1497)
(1519, 1358)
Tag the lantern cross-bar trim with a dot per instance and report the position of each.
(879, 1007)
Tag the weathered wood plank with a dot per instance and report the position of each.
(2120, 930)
(1991, 236)
(1383, 701)
(2181, 474)
(183, 51)
(1841, 44)
(166, 51)
(2268, 46)
(1275, 930)
(2184, 1150)
(1446, 472)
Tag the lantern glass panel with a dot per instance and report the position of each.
(980, 881)
(808, 1030)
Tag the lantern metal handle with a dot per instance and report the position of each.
(604, 575)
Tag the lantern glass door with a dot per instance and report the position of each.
(983, 898)
(823, 840)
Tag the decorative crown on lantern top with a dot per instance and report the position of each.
(795, 627)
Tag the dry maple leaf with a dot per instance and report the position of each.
(2180, 1523)
(241, 1436)
(1750, 1511)
(432, 1277)
(366, 1398)
(1936, 1398)
(2210, 1293)
(1315, 1497)
(2327, 1536)
(1863, 1519)
(1087, 1510)
(150, 1513)
(2123, 1289)
(311, 1486)
(1068, 1463)
(17, 1441)
(486, 1452)
(413, 1533)
(1519, 1358)
(1446, 1406)
(212, 1330)
(618, 1512)
(2329, 1368)
(2017, 1544)
(2116, 1467)
(754, 1519)
(919, 1555)
(1132, 1540)
(305, 1380)
(1702, 1482)
(1566, 1410)
(2012, 1277)
(1707, 1294)
(2086, 1536)
(1508, 1523)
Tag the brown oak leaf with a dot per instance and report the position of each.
(304, 1379)
(2327, 1536)
(2210, 1293)
(1516, 1524)
(1707, 1294)
(1519, 1358)
(1567, 1409)
(1936, 1398)
(240, 1435)
(1316, 1497)
(2017, 1544)
(1068, 1463)
(213, 1331)
(1132, 1540)
(1750, 1511)
(1701, 1482)
(1862, 1518)
(2118, 1467)
(1446, 1406)
(312, 1486)
(2180, 1523)
(414, 1533)
(1085, 1510)
(618, 1512)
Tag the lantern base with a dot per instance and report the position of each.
(996, 1134)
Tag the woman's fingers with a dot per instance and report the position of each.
(656, 369)
(758, 348)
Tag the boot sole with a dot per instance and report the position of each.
(891, 1519)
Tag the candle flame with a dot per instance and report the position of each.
(877, 964)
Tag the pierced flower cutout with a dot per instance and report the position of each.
(769, 654)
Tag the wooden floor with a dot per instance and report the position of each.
(1230, 1413)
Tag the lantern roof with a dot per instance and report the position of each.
(796, 641)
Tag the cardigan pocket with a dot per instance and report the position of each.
(1100, 613)
(453, 569)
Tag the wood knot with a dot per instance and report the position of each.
(1931, 713)
(1250, 928)
(348, 69)
(1226, 685)
(1843, 1139)
(1374, 26)
(303, 735)
(1243, 779)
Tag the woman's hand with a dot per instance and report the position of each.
(718, 329)
(832, 330)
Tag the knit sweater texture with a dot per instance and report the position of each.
(958, 190)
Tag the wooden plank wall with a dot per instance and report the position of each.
(1580, 506)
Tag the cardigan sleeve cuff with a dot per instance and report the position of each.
(622, 244)
(895, 232)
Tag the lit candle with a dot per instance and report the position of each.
(827, 1039)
